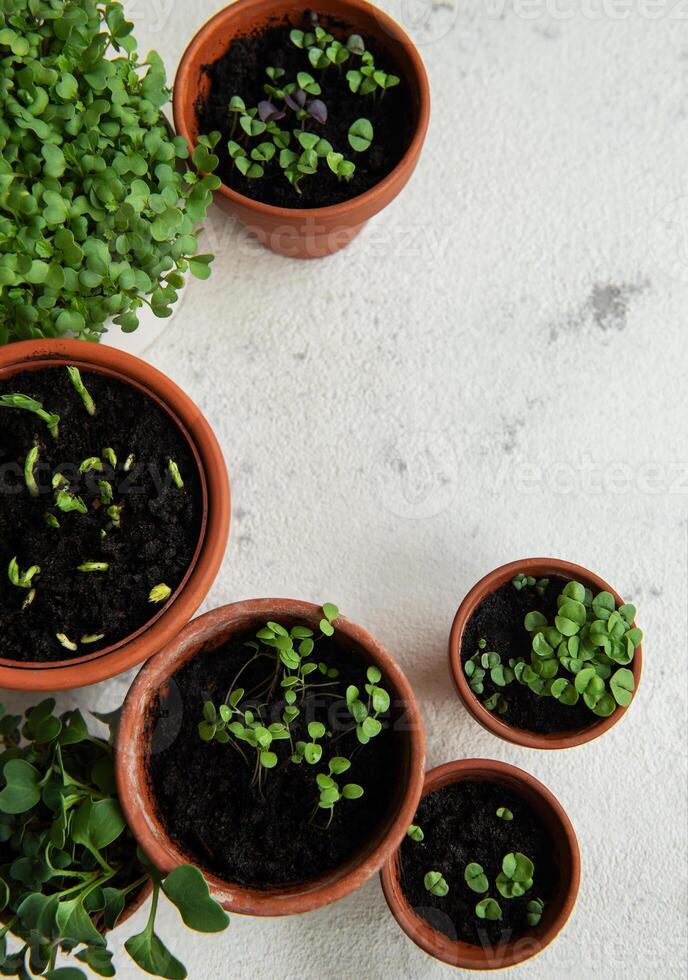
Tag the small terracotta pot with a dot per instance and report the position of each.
(537, 567)
(557, 911)
(303, 233)
(78, 672)
(134, 738)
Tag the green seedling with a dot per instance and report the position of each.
(93, 566)
(173, 470)
(475, 878)
(29, 474)
(534, 912)
(435, 884)
(504, 813)
(516, 876)
(159, 593)
(27, 404)
(490, 909)
(22, 580)
(415, 833)
(80, 388)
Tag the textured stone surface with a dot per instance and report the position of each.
(495, 369)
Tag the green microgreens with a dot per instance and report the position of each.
(91, 463)
(106, 492)
(534, 912)
(475, 878)
(67, 503)
(159, 593)
(28, 404)
(292, 677)
(490, 909)
(435, 884)
(128, 463)
(23, 580)
(99, 199)
(64, 641)
(110, 456)
(80, 388)
(93, 566)
(415, 833)
(297, 101)
(69, 864)
(504, 813)
(589, 645)
(173, 470)
(29, 474)
(516, 876)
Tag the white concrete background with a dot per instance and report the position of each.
(495, 369)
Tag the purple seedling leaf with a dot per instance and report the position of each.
(267, 112)
(317, 110)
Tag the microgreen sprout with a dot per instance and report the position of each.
(92, 638)
(51, 520)
(110, 456)
(80, 388)
(475, 878)
(360, 135)
(173, 470)
(64, 641)
(93, 566)
(68, 503)
(22, 580)
(534, 911)
(490, 909)
(415, 833)
(91, 463)
(583, 655)
(159, 593)
(128, 463)
(435, 884)
(29, 475)
(504, 813)
(516, 876)
(28, 404)
(106, 492)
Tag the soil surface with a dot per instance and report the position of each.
(204, 790)
(461, 826)
(241, 71)
(499, 620)
(159, 523)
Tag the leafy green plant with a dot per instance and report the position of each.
(516, 876)
(69, 863)
(241, 721)
(475, 878)
(489, 908)
(31, 405)
(435, 884)
(415, 833)
(584, 654)
(292, 146)
(504, 813)
(535, 908)
(98, 202)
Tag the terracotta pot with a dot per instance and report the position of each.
(304, 233)
(557, 911)
(183, 603)
(538, 567)
(134, 740)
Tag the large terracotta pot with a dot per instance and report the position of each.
(557, 912)
(134, 738)
(183, 603)
(538, 567)
(303, 233)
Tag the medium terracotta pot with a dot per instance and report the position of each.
(303, 233)
(537, 567)
(558, 910)
(66, 674)
(135, 735)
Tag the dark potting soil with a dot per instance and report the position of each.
(204, 794)
(499, 620)
(241, 71)
(461, 826)
(159, 524)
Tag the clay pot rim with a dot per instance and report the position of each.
(135, 793)
(487, 585)
(466, 955)
(131, 650)
(342, 210)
